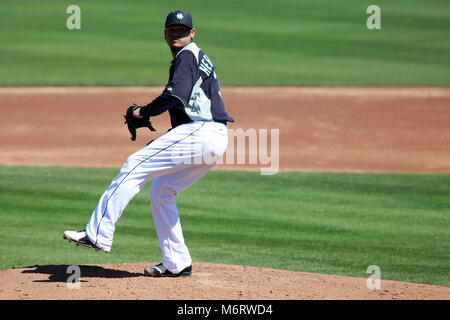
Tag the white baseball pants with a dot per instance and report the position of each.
(174, 161)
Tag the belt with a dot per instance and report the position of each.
(221, 121)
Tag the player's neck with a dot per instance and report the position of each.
(175, 51)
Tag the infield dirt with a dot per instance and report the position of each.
(392, 130)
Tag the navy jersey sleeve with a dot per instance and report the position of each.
(159, 105)
(183, 74)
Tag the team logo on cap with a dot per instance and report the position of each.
(180, 16)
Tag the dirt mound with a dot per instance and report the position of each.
(209, 281)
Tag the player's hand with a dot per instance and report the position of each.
(136, 113)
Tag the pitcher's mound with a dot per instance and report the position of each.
(208, 282)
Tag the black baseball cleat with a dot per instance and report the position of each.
(161, 271)
(80, 239)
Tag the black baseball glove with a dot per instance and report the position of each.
(135, 123)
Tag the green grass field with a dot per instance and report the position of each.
(264, 42)
(314, 222)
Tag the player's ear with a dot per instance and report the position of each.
(192, 33)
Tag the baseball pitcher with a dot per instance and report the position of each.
(175, 160)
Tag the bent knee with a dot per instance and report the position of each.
(162, 193)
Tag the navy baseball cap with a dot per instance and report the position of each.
(179, 17)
